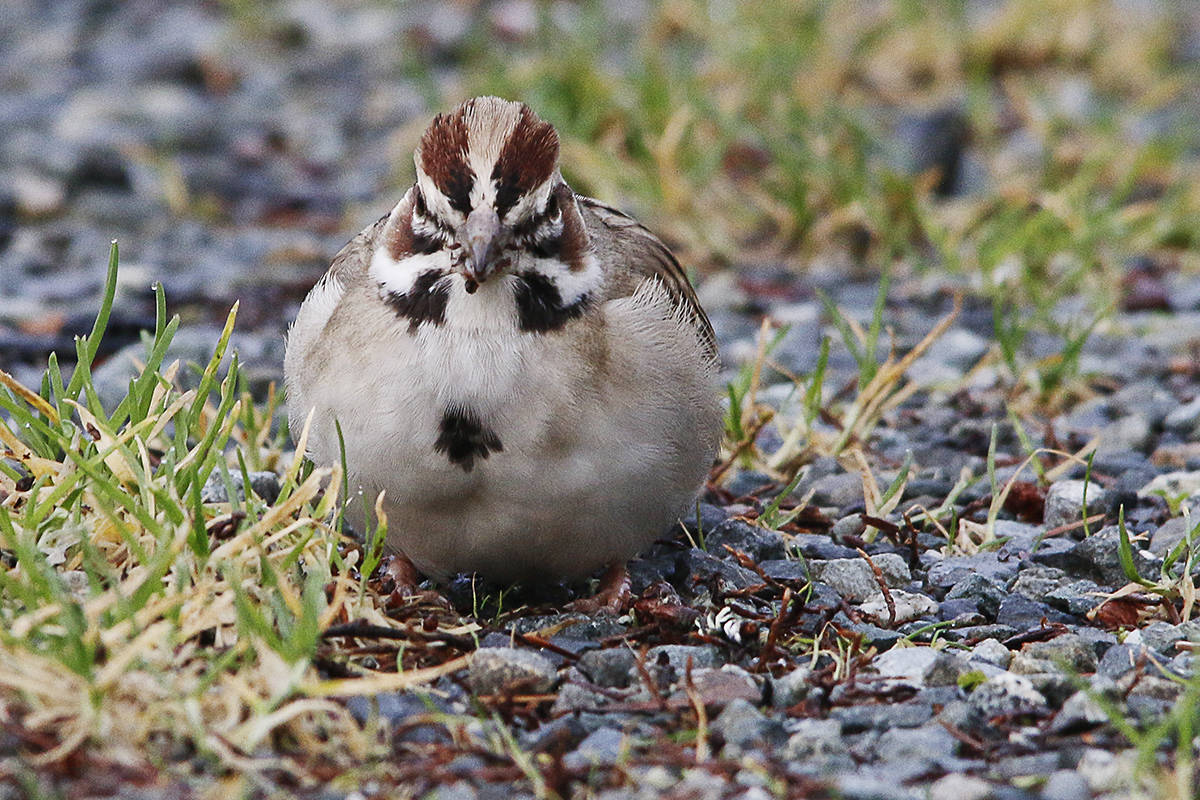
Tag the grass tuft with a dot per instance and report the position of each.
(141, 621)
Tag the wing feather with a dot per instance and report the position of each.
(647, 257)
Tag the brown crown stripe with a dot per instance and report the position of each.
(443, 154)
(527, 160)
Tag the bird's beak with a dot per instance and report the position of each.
(480, 231)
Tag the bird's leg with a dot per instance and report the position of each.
(614, 594)
(405, 579)
(403, 573)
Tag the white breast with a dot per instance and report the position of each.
(596, 459)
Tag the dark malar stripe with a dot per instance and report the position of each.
(540, 306)
(550, 247)
(424, 302)
(462, 437)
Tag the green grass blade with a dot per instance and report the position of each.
(1125, 552)
(90, 344)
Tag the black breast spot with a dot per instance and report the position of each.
(462, 437)
(540, 306)
(424, 302)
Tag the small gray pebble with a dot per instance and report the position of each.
(1098, 555)
(497, 669)
(1066, 785)
(790, 688)
(1006, 693)
(613, 666)
(851, 525)
(1065, 499)
(741, 725)
(601, 748)
(1072, 652)
(985, 592)
(1022, 613)
(960, 787)
(929, 741)
(459, 790)
(758, 543)
(677, 655)
(852, 578)
(946, 670)
(839, 490)
(990, 651)
(1184, 419)
(882, 717)
(264, 484)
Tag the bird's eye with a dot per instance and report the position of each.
(423, 214)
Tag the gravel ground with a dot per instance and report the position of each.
(817, 660)
(991, 671)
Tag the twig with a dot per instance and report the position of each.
(1070, 526)
(366, 630)
(914, 548)
(530, 640)
(640, 661)
(749, 563)
(689, 686)
(888, 527)
(970, 741)
(1046, 632)
(751, 434)
(887, 593)
(769, 648)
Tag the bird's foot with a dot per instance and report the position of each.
(614, 595)
(406, 581)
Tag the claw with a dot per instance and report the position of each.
(614, 594)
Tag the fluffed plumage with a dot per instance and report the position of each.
(526, 372)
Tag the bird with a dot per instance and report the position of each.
(523, 372)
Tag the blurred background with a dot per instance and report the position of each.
(1041, 155)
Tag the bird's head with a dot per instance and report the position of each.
(487, 187)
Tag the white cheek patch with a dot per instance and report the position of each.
(398, 277)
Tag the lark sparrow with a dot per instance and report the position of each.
(525, 372)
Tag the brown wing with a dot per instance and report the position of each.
(646, 256)
(353, 260)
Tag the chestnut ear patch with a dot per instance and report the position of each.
(403, 241)
(462, 437)
(527, 160)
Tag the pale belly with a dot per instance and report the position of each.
(586, 474)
